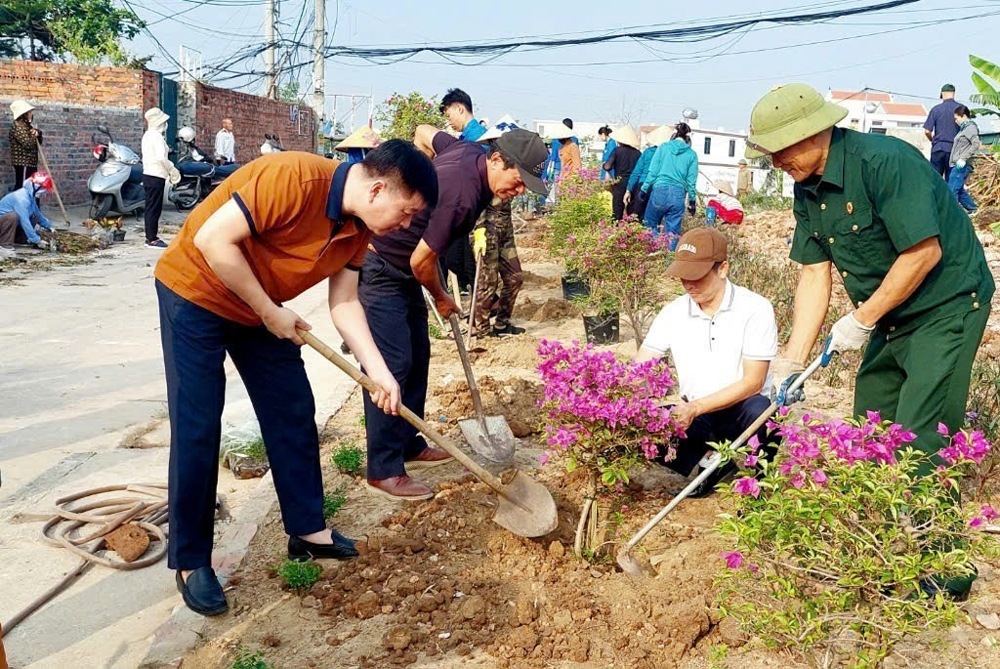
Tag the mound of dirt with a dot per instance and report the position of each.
(987, 216)
(445, 580)
(515, 399)
(553, 309)
(537, 280)
(532, 240)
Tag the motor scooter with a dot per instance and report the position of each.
(193, 162)
(116, 185)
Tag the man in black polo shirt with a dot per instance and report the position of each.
(398, 264)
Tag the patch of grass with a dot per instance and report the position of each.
(361, 421)
(250, 659)
(349, 458)
(334, 502)
(757, 201)
(299, 575)
(434, 331)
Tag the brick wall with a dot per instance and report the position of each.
(71, 101)
(150, 89)
(204, 107)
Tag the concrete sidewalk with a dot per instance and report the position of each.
(81, 372)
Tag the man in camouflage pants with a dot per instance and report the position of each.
(499, 263)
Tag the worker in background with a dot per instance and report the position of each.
(278, 226)
(635, 199)
(22, 206)
(963, 152)
(940, 129)
(873, 208)
(609, 147)
(24, 139)
(396, 267)
(225, 143)
(621, 163)
(672, 177)
(744, 179)
(495, 249)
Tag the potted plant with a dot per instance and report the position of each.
(624, 265)
(603, 415)
(581, 202)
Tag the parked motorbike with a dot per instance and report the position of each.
(199, 174)
(116, 185)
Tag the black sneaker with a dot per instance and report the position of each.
(342, 548)
(509, 329)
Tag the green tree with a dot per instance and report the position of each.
(987, 82)
(289, 92)
(399, 116)
(85, 31)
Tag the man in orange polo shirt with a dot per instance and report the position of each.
(276, 227)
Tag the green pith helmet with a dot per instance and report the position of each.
(786, 116)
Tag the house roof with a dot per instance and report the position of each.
(868, 96)
(903, 109)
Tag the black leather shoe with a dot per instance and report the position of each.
(342, 548)
(202, 593)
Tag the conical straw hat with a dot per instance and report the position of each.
(626, 135)
(362, 138)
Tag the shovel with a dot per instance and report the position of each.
(472, 303)
(524, 506)
(632, 565)
(490, 436)
(45, 165)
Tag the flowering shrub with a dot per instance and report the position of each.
(603, 415)
(835, 541)
(399, 116)
(625, 265)
(582, 200)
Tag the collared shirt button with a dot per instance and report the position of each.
(973, 296)
(830, 240)
(892, 328)
(975, 305)
(854, 227)
(845, 274)
(823, 206)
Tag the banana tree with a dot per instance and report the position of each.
(987, 82)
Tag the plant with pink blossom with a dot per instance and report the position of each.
(399, 116)
(839, 540)
(603, 415)
(625, 265)
(582, 200)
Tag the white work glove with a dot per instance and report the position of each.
(847, 334)
(175, 176)
(783, 374)
(961, 164)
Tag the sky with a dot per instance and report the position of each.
(910, 51)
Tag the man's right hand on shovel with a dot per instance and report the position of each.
(446, 306)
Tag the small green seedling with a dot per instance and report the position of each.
(299, 575)
(349, 458)
(434, 331)
(249, 659)
(334, 502)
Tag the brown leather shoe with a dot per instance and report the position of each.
(429, 457)
(400, 488)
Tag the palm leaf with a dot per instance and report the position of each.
(982, 85)
(991, 70)
(983, 111)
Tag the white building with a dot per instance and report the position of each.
(869, 111)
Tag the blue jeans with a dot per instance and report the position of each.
(195, 344)
(666, 204)
(397, 315)
(956, 182)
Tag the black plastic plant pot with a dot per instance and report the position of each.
(574, 287)
(602, 328)
(118, 235)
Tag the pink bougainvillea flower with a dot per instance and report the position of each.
(754, 443)
(989, 513)
(819, 477)
(543, 459)
(976, 522)
(942, 429)
(750, 461)
(754, 569)
(747, 485)
(798, 479)
(734, 559)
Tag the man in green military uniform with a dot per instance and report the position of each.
(911, 263)
(493, 241)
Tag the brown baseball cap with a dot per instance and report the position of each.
(697, 251)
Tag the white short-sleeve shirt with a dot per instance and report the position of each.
(709, 351)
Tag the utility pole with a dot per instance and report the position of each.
(319, 60)
(269, 73)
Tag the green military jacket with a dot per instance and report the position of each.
(878, 197)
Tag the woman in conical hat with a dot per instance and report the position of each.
(358, 143)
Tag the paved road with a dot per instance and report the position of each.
(81, 368)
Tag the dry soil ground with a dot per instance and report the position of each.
(439, 585)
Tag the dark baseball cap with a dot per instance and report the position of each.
(948, 88)
(529, 154)
(697, 252)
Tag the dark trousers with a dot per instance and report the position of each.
(637, 203)
(459, 260)
(154, 187)
(195, 344)
(618, 198)
(22, 172)
(397, 315)
(941, 162)
(717, 427)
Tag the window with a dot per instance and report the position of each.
(732, 148)
(876, 122)
(708, 145)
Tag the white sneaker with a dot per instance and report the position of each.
(7, 253)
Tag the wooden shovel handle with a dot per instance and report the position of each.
(410, 417)
(463, 354)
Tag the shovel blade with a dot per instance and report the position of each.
(496, 444)
(526, 507)
(633, 566)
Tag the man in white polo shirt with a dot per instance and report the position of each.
(722, 338)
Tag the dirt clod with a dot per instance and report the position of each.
(367, 605)
(130, 542)
(398, 638)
